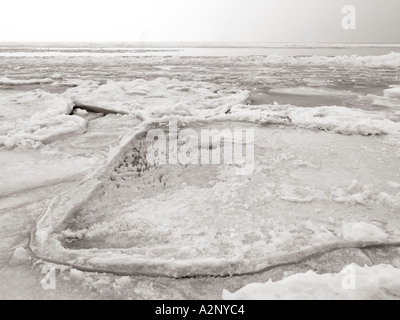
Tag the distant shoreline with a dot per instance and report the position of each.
(192, 45)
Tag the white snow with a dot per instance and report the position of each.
(353, 283)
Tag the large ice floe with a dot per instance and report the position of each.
(311, 192)
(393, 92)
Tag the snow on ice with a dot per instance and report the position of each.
(369, 283)
(393, 92)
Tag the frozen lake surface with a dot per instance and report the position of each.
(326, 179)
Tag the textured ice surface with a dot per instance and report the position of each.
(306, 185)
(393, 92)
(36, 117)
(370, 283)
(309, 91)
(324, 169)
(31, 178)
(361, 230)
(159, 97)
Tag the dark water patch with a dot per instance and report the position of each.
(95, 109)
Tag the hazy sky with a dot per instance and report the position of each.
(378, 21)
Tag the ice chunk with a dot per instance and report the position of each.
(377, 282)
(334, 118)
(190, 220)
(394, 184)
(77, 275)
(123, 281)
(362, 231)
(37, 117)
(393, 92)
(309, 91)
(22, 171)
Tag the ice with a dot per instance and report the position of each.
(158, 97)
(20, 256)
(370, 283)
(308, 91)
(22, 171)
(337, 119)
(326, 177)
(385, 101)
(123, 281)
(394, 184)
(393, 92)
(163, 97)
(32, 178)
(206, 220)
(362, 231)
(23, 105)
(38, 117)
(391, 60)
(76, 275)
(7, 81)
(42, 129)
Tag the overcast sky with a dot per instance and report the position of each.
(378, 21)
